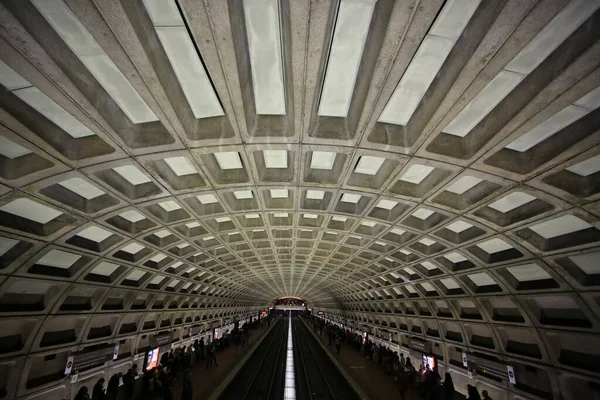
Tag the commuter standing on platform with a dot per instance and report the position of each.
(82, 394)
(187, 390)
(112, 389)
(98, 391)
(129, 381)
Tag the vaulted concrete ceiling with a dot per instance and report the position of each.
(415, 163)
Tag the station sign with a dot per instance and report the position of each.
(89, 359)
(161, 339)
(489, 368)
(423, 346)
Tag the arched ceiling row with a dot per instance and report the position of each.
(370, 156)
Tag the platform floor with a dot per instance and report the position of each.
(365, 373)
(206, 380)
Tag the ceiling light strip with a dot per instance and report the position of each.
(532, 55)
(557, 122)
(37, 100)
(91, 54)
(263, 29)
(289, 392)
(428, 60)
(184, 58)
(349, 38)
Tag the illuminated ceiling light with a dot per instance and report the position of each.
(132, 216)
(95, 234)
(557, 122)
(422, 213)
(243, 194)
(560, 226)
(482, 279)
(222, 219)
(512, 201)
(427, 241)
(58, 259)
(6, 245)
(279, 193)
(459, 226)
(132, 174)
(417, 173)
(41, 103)
(55, 113)
(89, 52)
(275, 158)
(586, 167)
(184, 59)
(162, 233)
(207, 199)
(31, 210)
(12, 150)
(322, 160)
(532, 55)
(315, 194)
(228, 160)
(528, 272)
(349, 37)
(82, 188)
(169, 205)
(428, 60)
(370, 224)
(455, 257)
(104, 269)
(494, 246)
(192, 225)
(350, 198)
(368, 165)
(463, 184)
(158, 258)
(280, 215)
(339, 219)
(133, 248)
(263, 29)
(10, 79)
(386, 204)
(180, 166)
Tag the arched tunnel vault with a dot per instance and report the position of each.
(430, 168)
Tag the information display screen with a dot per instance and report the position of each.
(429, 362)
(152, 359)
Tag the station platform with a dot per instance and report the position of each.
(364, 373)
(206, 381)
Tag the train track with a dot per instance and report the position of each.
(317, 378)
(263, 375)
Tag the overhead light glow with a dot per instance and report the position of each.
(229, 160)
(428, 60)
(184, 58)
(322, 160)
(132, 174)
(91, 54)
(243, 194)
(533, 54)
(417, 173)
(349, 37)
(181, 166)
(263, 29)
(275, 158)
(315, 194)
(369, 165)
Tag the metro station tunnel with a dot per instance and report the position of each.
(299, 199)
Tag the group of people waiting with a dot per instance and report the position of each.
(425, 381)
(157, 382)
